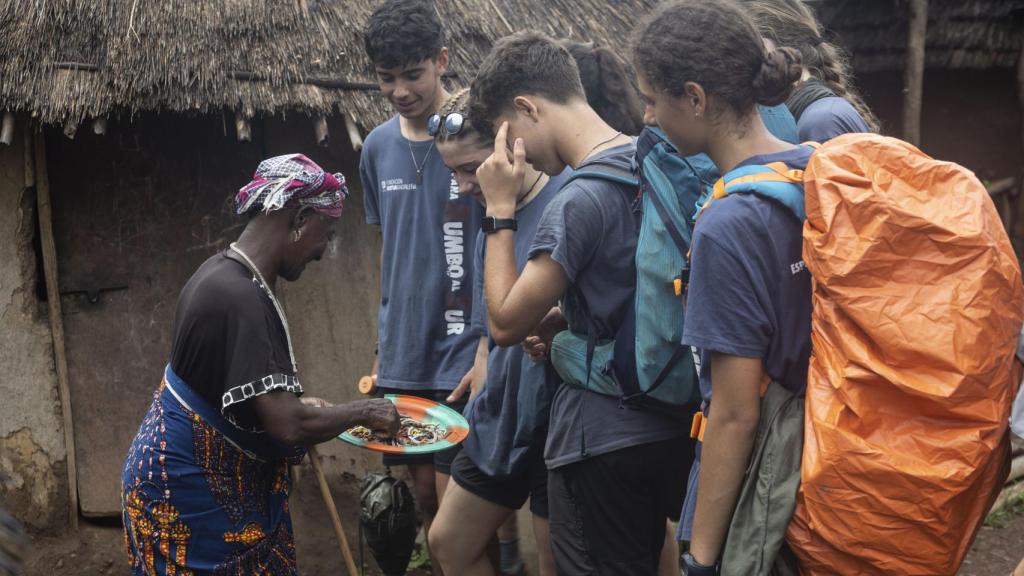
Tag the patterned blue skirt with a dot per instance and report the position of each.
(200, 496)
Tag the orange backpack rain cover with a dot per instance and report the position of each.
(917, 306)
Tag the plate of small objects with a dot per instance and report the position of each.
(426, 426)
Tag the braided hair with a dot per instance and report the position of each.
(792, 23)
(459, 103)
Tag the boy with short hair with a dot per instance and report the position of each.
(425, 345)
(612, 478)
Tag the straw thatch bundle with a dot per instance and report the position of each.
(68, 60)
(961, 33)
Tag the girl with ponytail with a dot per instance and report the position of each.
(824, 102)
(703, 67)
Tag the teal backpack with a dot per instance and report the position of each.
(645, 363)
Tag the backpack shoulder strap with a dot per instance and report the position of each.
(775, 180)
(681, 238)
(598, 170)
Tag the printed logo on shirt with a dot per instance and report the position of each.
(453, 189)
(396, 185)
(797, 267)
(454, 243)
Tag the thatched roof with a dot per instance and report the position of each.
(66, 61)
(70, 60)
(961, 33)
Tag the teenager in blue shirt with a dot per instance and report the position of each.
(610, 486)
(703, 68)
(426, 346)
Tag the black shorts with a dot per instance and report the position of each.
(507, 491)
(608, 512)
(442, 461)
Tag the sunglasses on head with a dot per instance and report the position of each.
(452, 123)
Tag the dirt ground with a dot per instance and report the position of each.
(98, 549)
(997, 551)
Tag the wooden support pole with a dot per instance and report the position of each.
(332, 511)
(913, 72)
(242, 129)
(7, 129)
(99, 126)
(70, 128)
(45, 215)
(353, 132)
(320, 132)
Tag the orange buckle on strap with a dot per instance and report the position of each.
(698, 425)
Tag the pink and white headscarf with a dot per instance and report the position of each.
(291, 181)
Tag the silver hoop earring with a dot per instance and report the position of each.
(298, 236)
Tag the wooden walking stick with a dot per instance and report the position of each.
(325, 492)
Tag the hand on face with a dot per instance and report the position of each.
(501, 178)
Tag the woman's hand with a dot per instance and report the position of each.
(380, 415)
(501, 180)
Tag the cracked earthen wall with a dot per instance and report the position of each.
(33, 478)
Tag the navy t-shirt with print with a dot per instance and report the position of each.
(508, 420)
(429, 231)
(590, 230)
(750, 293)
(827, 118)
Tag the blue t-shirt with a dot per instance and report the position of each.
(429, 232)
(591, 231)
(508, 420)
(750, 293)
(827, 118)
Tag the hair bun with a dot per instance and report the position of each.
(779, 71)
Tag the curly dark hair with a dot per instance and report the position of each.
(792, 23)
(402, 32)
(610, 86)
(519, 64)
(715, 45)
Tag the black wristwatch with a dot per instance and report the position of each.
(491, 224)
(693, 568)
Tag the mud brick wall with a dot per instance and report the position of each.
(32, 457)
